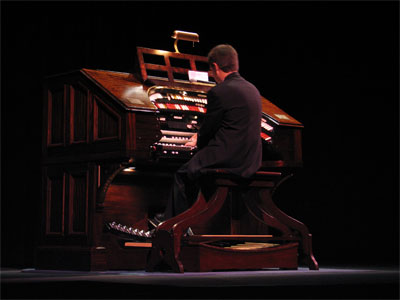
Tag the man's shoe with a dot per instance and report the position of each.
(160, 217)
(156, 220)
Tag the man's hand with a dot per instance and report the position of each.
(192, 142)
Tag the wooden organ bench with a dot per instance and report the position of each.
(181, 252)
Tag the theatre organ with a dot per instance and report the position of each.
(112, 142)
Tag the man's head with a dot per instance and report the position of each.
(223, 60)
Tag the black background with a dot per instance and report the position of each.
(331, 65)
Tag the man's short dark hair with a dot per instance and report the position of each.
(225, 56)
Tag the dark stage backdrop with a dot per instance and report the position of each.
(331, 65)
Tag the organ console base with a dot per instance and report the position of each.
(71, 258)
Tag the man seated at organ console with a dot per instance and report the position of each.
(229, 137)
(194, 139)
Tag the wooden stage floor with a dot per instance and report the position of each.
(327, 283)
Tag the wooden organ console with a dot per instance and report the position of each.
(111, 143)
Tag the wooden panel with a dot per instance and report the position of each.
(126, 204)
(148, 131)
(288, 143)
(56, 116)
(130, 131)
(277, 114)
(298, 153)
(79, 114)
(78, 202)
(122, 86)
(55, 203)
(107, 123)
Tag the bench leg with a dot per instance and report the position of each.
(162, 242)
(214, 205)
(167, 238)
(262, 216)
(162, 250)
(305, 236)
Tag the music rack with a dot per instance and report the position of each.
(168, 67)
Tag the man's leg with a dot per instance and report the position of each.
(183, 193)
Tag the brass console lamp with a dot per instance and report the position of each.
(185, 36)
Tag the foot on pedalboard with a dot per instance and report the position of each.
(156, 220)
(159, 218)
(129, 233)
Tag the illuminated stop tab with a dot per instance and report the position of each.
(265, 136)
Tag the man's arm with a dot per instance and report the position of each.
(212, 120)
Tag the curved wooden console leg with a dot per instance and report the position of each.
(102, 190)
(306, 237)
